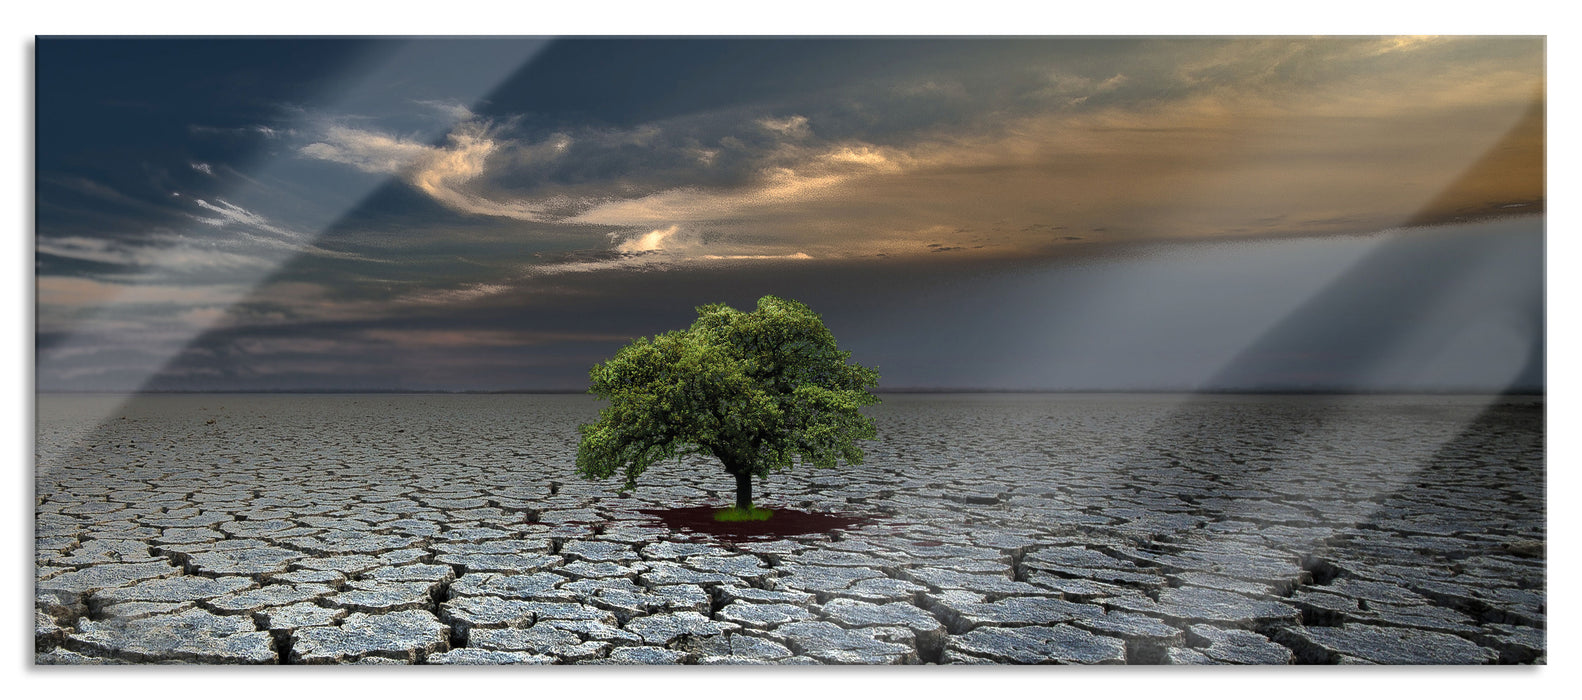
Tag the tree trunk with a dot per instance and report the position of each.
(744, 490)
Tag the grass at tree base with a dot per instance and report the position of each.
(739, 515)
(787, 522)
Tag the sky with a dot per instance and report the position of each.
(1131, 214)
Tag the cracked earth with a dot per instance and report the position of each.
(1001, 529)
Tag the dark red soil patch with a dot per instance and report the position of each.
(786, 522)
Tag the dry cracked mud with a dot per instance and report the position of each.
(1000, 529)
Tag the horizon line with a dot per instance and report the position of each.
(1453, 391)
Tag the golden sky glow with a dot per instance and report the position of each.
(1256, 137)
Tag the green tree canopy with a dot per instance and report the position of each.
(755, 390)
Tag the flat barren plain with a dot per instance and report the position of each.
(981, 529)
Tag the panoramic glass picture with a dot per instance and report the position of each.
(767, 351)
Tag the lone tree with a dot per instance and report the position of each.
(754, 390)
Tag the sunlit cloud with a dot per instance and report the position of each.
(814, 175)
(791, 256)
(654, 240)
(670, 248)
(463, 293)
(1393, 44)
(368, 151)
(794, 126)
(445, 172)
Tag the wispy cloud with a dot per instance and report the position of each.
(168, 252)
(366, 150)
(227, 214)
(444, 172)
(449, 109)
(266, 131)
(464, 293)
(809, 175)
(54, 290)
(474, 337)
(791, 256)
(794, 126)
